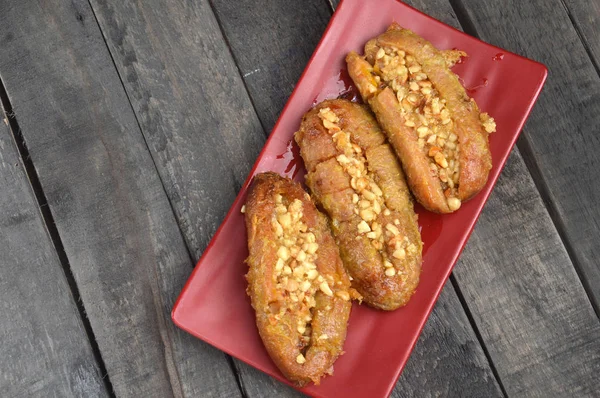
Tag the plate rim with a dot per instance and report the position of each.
(542, 75)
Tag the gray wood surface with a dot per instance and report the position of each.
(142, 146)
(585, 15)
(45, 350)
(562, 133)
(119, 233)
(525, 297)
(190, 102)
(272, 42)
(448, 360)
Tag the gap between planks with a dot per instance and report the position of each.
(48, 220)
(588, 50)
(237, 66)
(137, 121)
(475, 328)
(524, 146)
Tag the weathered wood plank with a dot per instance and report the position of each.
(272, 42)
(45, 350)
(549, 335)
(586, 16)
(447, 361)
(525, 297)
(190, 102)
(561, 138)
(119, 233)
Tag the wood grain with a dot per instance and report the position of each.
(45, 350)
(561, 140)
(190, 102)
(122, 240)
(525, 297)
(586, 17)
(271, 42)
(119, 233)
(280, 62)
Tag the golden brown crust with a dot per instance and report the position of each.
(425, 186)
(468, 124)
(381, 202)
(278, 317)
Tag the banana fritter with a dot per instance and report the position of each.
(437, 131)
(296, 280)
(354, 175)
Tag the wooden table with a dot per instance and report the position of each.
(130, 127)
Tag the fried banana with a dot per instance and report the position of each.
(355, 176)
(297, 283)
(437, 131)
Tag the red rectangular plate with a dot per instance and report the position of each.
(213, 305)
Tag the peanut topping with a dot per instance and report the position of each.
(367, 198)
(453, 204)
(297, 279)
(324, 287)
(424, 109)
(344, 295)
(488, 122)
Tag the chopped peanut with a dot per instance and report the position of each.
(295, 271)
(453, 203)
(488, 122)
(283, 253)
(344, 295)
(324, 287)
(400, 254)
(363, 227)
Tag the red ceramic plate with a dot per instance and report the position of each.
(213, 305)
